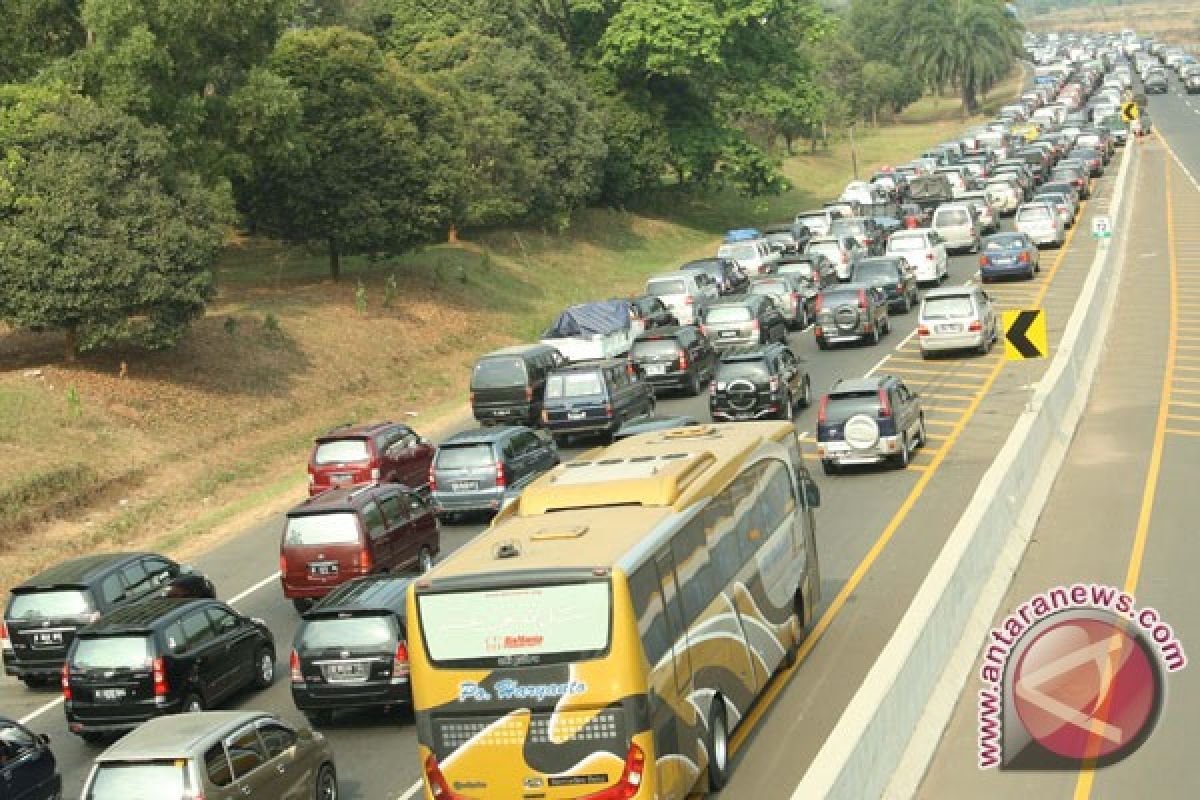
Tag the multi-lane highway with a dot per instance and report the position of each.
(1123, 510)
(879, 529)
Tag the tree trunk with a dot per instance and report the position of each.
(335, 261)
(970, 103)
(452, 236)
(72, 343)
(789, 141)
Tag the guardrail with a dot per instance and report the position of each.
(886, 737)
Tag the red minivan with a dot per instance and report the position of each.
(344, 533)
(352, 455)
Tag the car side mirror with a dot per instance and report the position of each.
(812, 494)
(43, 739)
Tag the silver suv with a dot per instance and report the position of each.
(851, 313)
(217, 755)
(867, 421)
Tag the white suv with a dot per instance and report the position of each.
(755, 256)
(684, 293)
(925, 250)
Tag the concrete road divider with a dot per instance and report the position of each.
(884, 740)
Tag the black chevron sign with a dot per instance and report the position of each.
(1025, 334)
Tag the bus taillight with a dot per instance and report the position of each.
(631, 778)
(437, 781)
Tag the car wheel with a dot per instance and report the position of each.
(921, 433)
(905, 304)
(901, 459)
(1029, 275)
(302, 604)
(91, 737)
(806, 396)
(874, 334)
(561, 440)
(785, 405)
(318, 718)
(326, 788)
(264, 668)
(822, 344)
(829, 467)
(193, 703)
(887, 325)
(424, 560)
(693, 387)
(717, 746)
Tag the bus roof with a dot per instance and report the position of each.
(591, 512)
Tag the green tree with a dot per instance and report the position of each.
(100, 235)
(368, 167)
(34, 32)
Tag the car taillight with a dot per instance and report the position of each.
(822, 409)
(297, 675)
(885, 405)
(712, 388)
(501, 474)
(528, 394)
(437, 781)
(5, 642)
(862, 299)
(1023, 257)
(867, 240)
(929, 256)
(159, 672)
(774, 383)
(983, 260)
(364, 560)
(683, 362)
(433, 476)
(282, 564)
(400, 668)
(630, 781)
(66, 681)
(922, 330)
(845, 259)
(689, 300)
(312, 479)
(820, 302)
(975, 327)
(754, 325)
(795, 298)
(545, 416)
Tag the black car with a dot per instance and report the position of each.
(508, 385)
(351, 649)
(595, 397)
(894, 275)
(159, 657)
(652, 312)
(675, 358)
(758, 382)
(481, 469)
(45, 612)
(729, 277)
(28, 770)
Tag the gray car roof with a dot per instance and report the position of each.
(177, 735)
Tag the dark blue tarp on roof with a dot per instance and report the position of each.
(588, 318)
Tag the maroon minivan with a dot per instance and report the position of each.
(352, 455)
(343, 533)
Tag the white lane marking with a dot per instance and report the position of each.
(237, 598)
(883, 360)
(412, 792)
(1179, 161)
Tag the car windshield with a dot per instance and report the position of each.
(342, 451)
(952, 217)
(356, 632)
(831, 250)
(337, 527)
(111, 652)
(536, 624)
(498, 373)
(768, 288)
(948, 307)
(148, 780)
(654, 348)
(879, 269)
(1033, 213)
(574, 384)
(901, 242)
(1004, 242)
(840, 407)
(717, 314)
(738, 252)
(461, 456)
(51, 604)
(801, 268)
(660, 288)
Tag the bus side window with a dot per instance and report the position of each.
(647, 604)
(722, 537)
(776, 499)
(748, 520)
(693, 569)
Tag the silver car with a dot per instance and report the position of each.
(1041, 223)
(958, 226)
(958, 318)
(216, 755)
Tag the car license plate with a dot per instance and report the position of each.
(341, 477)
(346, 672)
(47, 638)
(576, 414)
(949, 328)
(727, 334)
(656, 369)
(329, 568)
(502, 412)
(110, 695)
(464, 486)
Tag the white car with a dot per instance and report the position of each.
(1063, 204)
(1041, 223)
(684, 293)
(958, 318)
(755, 256)
(957, 226)
(1007, 194)
(925, 250)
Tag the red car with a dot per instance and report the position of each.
(353, 455)
(344, 533)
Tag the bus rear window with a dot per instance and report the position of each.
(515, 626)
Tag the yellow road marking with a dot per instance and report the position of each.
(1181, 431)
(1183, 403)
(1186, 417)
(935, 384)
(956, 364)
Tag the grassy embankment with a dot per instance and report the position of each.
(194, 443)
(1174, 22)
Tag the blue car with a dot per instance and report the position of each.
(1007, 255)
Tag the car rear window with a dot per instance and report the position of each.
(111, 652)
(660, 288)
(867, 272)
(814, 221)
(948, 307)
(1003, 242)
(458, 456)
(954, 217)
(498, 373)
(1035, 212)
(574, 384)
(738, 252)
(752, 369)
(147, 780)
(841, 407)
(902, 242)
(654, 348)
(51, 603)
(717, 314)
(845, 227)
(831, 250)
(352, 632)
(342, 451)
(339, 527)
(768, 287)
(801, 268)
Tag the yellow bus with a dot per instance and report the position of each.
(606, 634)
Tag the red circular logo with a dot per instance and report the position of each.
(1085, 688)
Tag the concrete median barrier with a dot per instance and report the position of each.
(884, 740)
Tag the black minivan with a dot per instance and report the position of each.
(596, 397)
(508, 385)
(45, 611)
(351, 649)
(161, 656)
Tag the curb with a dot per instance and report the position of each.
(884, 740)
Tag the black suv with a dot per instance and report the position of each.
(351, 649)
(869, 420)
(758, 381)
(45, 612)
(652, 312)
(675, 358)
(851, 313)
(595, 397)
(478, 470)
(161, 657)
(894, 275)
